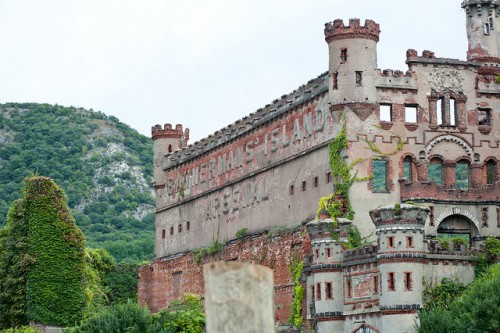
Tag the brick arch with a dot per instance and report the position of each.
(365, 328)
(449, 138)
(457, 212)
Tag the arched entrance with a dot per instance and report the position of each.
(458, 225)
(365, 328)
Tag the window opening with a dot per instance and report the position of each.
(316, 181)
(491, 172)
(328, 252)
(179, 228)
(188, 225)
(291, 190)
(318, 291)
(490, 21)
(359, 77)
(328, 290)
(349, 287)
(303, 186)
(407, 165)
(391, 282)
(328, 177)
(171, 231)
(409, 241)
(435, 171)
(385, 112)
(410, 114)
(163, 233)
(408, 281)
(390, 242)
(462, 175)
(486, 28)
(453, 112)
(335, 78)
(343, 55)
(439, 111)
(379, 171)
(375, 284)
(484, 117)
(316, 253)
(312, 293)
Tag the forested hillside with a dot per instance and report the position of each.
(103, 166)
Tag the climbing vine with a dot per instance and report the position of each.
(296, 267)
(338, 203)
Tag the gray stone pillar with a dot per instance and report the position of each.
(238, 298)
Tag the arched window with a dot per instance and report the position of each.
(407, 168)
(453, 113)
(491, 172)
(462, 175)
(435, 171)
(439, 111)
(446, 110)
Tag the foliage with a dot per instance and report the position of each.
(121, 283)
(296, 267)
(476, 310)
(118, 318)
(442, 295)
(489, 256)
(241, 232)
(209, 250)
(23, 329)
(184, 316)
(97, 263)
(75, 147)
(54, 289)
(14, 265)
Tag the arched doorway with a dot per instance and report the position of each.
(364, 328)
(457, 225)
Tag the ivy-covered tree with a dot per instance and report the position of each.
(55, 288)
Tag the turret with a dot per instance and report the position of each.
(483, 30)
(324, 283)
(401, 259)
(166, 140)
(352, 60)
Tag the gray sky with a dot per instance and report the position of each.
(200, 63)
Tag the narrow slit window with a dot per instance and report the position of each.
(171, 231)
(188, 225)
(491, 172)
(409, 242)
(359, 77)
(375, 284)
(349, 287)
(179, 228)
(304, 187)
(343, 55)
(328, 252)
(328, 290)
(453, 113)
(439, 111)
(408, 281)
(316, 181)
(391, 281)
(318, 291)
(291, 190)
(390, 242)
(486, 28)
(328, 177)
(335, 78)
(163, 233)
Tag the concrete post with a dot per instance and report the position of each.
(238, 298)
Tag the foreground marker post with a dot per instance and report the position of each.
(238, 298)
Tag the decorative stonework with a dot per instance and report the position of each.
(446, 79)
(457, 211)
(484, 129)
(448, 138)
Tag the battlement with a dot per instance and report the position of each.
(399, 214)
(157, 132)
(337, 30)
(467, 4)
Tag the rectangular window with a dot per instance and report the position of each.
(291, 190)
(335, 84)
(491, 172)
(375, 284)
(484, 117)
(349, 287)
(379, 171)
(439, 111)
(328, 290)
(188, 225)
(359, 78)
(316, 254)
(390, 242)
(312, 293)
(328, 252)
(385, 112)
(453, 113)
(410, 114)
(409, 242)
(171, 231)
(316, 181)
(303, 186)
(328, 177)
(163, 233)
(179, 228)
(408, 281)
(343, 55)
(391, 282)
(486, 28)
(407, 165)
(435, 171)
(318, 291)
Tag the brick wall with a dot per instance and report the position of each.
(165, 280)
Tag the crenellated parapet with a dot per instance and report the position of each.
(157, 132)
(337, 30)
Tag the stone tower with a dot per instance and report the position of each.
(352, 60)
(166, 140)
(401, 262)
(483, 30)
(325, 276)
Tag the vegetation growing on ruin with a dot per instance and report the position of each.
(296, 267)
(209, 250)
(342, 174)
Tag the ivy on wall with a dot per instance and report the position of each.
(55, 283)
(296, 267)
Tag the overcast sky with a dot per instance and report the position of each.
(200, 63)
